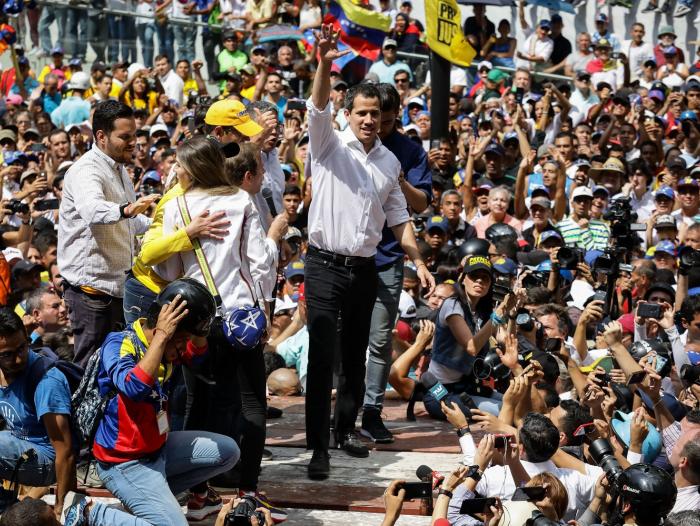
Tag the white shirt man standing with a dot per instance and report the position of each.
(356, 189)
(171, 81)
(98, 221)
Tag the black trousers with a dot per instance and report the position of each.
(232, 402)
(336, 291)
(92, 317)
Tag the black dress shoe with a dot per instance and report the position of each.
(273, 412)
(373, 427)
(352, 445)
(320, 466)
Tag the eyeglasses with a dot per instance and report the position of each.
(404, 79)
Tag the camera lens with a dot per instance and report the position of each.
(601, 452)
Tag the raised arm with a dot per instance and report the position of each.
(524, 170)
(328, 51)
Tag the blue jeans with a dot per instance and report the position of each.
(185, 38)
(147, 487)
(122, 35)
(146, 32)
(386, 309)
(76, 32)
(49, 15)
(38, 471)
(137, 299)
(165, 41)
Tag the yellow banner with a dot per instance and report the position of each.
(444, 32)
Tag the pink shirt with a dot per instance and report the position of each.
(483, 223)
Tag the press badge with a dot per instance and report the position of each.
(163, 426)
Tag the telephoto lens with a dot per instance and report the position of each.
(601, 452)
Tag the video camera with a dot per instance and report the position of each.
(570, 257)
(689, 258)
(622, 223)
(501, 287)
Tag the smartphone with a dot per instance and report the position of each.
(418, 490)
(46, 204)
(649, 310)
(500, 441)
(296, 104)
(439, 391)
(470, 506)
(190, 125)
(607, 364)
(434, 144)
(636, 377)
(615, 55)
(603, 380)
(519, 94)
(38, 147)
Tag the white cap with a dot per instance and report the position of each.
(416, 100)
(158, 128)
(80, 81)
(582, 191)
(283, 304)
(484, 64)
(133, 69)
(11, 254)
(407, 307)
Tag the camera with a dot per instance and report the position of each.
(490, 366)
(689, 258)
(601, 452)
(501, 287)
(241, 514)
(17, 207)
(690, 374)
(536, 278)
(622, 223)
(570, 257)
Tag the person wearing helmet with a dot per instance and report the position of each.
(74, 109)
(135, 368)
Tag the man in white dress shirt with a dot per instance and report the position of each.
(99, 219)
(356, 189)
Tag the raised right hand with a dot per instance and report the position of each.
(328, 43)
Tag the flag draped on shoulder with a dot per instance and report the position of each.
(361, 29)
(444, 32)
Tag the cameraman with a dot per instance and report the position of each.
(646, 495)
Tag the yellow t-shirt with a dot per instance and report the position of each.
(49, 68)
(248, 92)
(156, 248)
(190, 85)
(140, 104)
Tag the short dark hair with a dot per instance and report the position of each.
(44, 241)
(183, 60)
(691, 451)
(58, 131)
(292, 189)
(563, 320)
(10, 323)
(245, 161)
(538, 295)
(389, 99)
(539, 437)
(161, 57)
(106, 114)
(28, 512)
(574, 416)
(690, 307)
(365, 89)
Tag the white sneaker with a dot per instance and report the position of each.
(682, 9)
(74, 511)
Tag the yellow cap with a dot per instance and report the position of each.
(230, 112)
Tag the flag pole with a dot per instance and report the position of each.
(439, 96)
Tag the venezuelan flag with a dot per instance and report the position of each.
(360, 29)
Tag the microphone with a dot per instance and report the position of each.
(426, 474)
(435, 388)
(267, 195)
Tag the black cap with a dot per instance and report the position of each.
(24, 267)
(664, 287)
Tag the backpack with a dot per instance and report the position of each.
(47, 360)
(88, 405)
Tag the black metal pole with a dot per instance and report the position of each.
(439, 96)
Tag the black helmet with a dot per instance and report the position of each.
(501, 232)
(473, 247)
(640, 349)
(200, 304)
(649, 489)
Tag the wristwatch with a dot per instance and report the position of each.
(475, 473)
(446, 492)
(463, 431)
(122, 210)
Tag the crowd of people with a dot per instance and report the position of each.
(182, 238)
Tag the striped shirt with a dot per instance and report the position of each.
(595, 237)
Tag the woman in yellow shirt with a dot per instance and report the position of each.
(142, 283)
(137, 93)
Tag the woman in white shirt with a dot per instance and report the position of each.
(243, 267)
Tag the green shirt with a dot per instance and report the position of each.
(595, 237)
(228, 60)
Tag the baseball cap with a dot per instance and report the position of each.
(474, 263)
(75, 62)
(670, 50)
(27, 174)
(621, 99)
(14, 157)
(407, 307)
(665, 246)
(338, 83)
(651, 447)
(248, 69)
(664, 221)
(541, 201)
(14, 98)
(678, 162)
(601, 189)
(57, 50)
(24, 267)
(550, 234)
(510, 136)
(156, 128)
(581, 162)
(650, 63)
(687, 181)
(689, 115)
(230, 112)
(665, 191)
(389, 42)
(31, 132)
(582, 75)
(582, 191)
(258, 47)
(496, 148)
(11, 254)
(292, 232)
(438, 222)
(295, 268)
(505, 266)
(539, 191)
(482, 189)
(484, 64)
(603, 43)
(151, 175)
(545, 24)
(602, 17)
(657, 94)
(497, 75)
(415, 101)
(671, 402)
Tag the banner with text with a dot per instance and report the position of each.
(444, 32)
